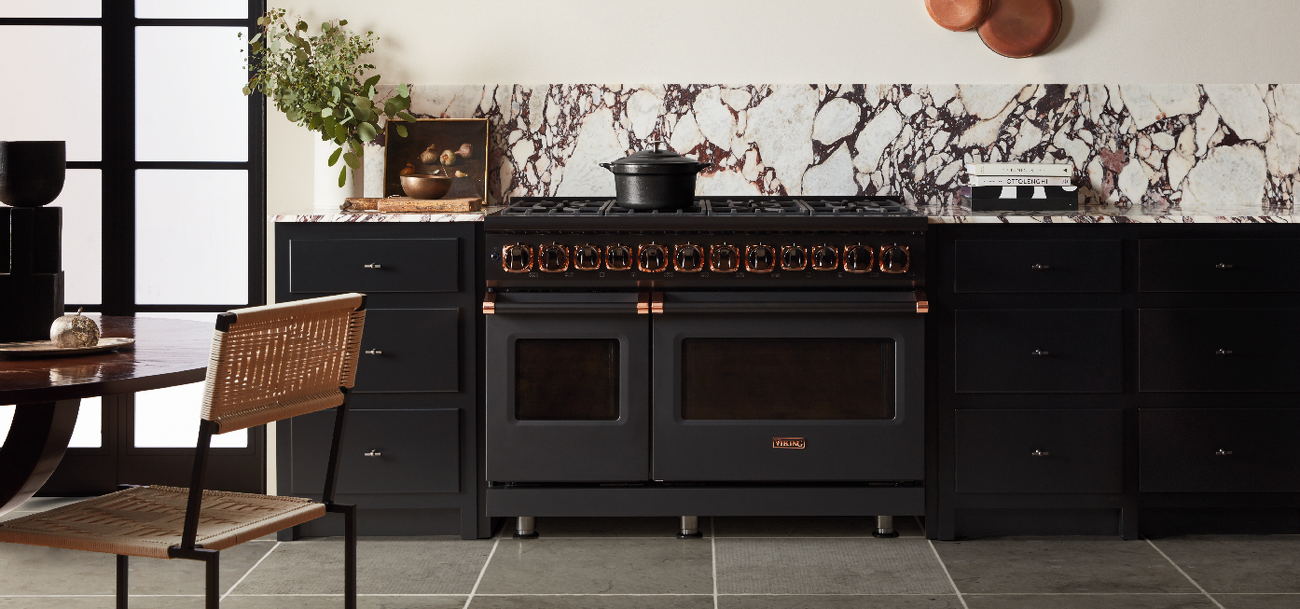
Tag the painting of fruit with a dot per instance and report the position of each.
(453, 147)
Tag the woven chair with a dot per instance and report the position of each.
(267, 364)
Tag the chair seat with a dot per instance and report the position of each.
(146, 520)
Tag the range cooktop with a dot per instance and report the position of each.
(712, 206)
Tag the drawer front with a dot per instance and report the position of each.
(1033, 351)
(1040, 451)
(1219, 349)
(1217, 265)
(1179, 450)
(1038, 266)
(383, 451)
(410, 350)
(374, 265)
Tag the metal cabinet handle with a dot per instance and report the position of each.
(1222, 453)
(1041, 267)
(374, 453)
(1039, 453)
(1223, 352)
(374, 352)
(1041, 353)
(373, 266)
(1222, 266)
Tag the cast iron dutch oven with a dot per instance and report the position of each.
(655, 179)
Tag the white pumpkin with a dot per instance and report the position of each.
(72, 331)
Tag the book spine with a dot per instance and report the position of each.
(1019, 169)
(978, 180)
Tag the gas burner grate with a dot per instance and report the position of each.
(567, 207)
(756, 207)
(696, 209)
(725, 207)
(874, 206)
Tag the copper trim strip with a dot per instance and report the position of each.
(657, 303)
(922, 305)
(490, 303)
(643, 303)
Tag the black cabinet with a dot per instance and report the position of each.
(1038, 351)
(1037, 265)
(1220, 450)
(1039, 451)
(411, 456)
(1218, 265)
(1219, 349)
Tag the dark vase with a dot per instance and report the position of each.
(31, 173)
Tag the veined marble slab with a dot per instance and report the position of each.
(371, 216)
(1168, 150)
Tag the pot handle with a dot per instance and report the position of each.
(606, 166)
(704, 166)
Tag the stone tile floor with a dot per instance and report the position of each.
(741, 563)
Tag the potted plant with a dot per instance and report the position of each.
(316, 81)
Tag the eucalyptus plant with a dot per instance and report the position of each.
(315, 80)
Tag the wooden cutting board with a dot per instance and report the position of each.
(407, 204)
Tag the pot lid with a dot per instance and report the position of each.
(657, 158)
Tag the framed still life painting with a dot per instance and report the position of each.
(454, 147)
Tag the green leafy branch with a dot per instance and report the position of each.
(315, 80)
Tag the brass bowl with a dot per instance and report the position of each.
(425, 186)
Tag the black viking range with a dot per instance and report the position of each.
(723, 356)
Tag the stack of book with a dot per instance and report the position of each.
(1020, 187)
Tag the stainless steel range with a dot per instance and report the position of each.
(757, 356)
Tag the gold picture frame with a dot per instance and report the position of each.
(438, 136)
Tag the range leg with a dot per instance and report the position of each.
(690, 528)
(885, 527)
(524, 528)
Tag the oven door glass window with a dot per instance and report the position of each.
(566, 379)
(787, 378)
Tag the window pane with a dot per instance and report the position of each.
(191, 237)
(169, 418)
(195, 74)
(54, 92)
(82, 237)
(87, 433)
(191, 9)
(50, 8)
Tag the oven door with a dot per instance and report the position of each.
(788, 388)
(567, 388)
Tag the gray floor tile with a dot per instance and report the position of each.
(37, 570)
(1258, 601)
(1059, 565)
(592, 602)
(845, 601)
(828, 566)
(1089, 601)
(332, 602)
(600, 566)
(409, 565)
(821, 526)
(1238, 563)
(552, 528)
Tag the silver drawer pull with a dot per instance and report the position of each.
(374, 453)
(1041, 353)
(1222, 266)
(1041, 267)
(1223, 352)
(374, 352)
(1039, 453)
(374, 266)
(1222, 453)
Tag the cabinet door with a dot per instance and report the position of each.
(1040, 451)
(1218, 265)
(1058, 265)
(410, 350)
(1219, 349)
(374, 265)
(1219, 450)
(1038, 351)
(383, 451)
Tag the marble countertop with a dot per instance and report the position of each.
(937, 214)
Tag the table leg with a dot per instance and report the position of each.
(37, 440)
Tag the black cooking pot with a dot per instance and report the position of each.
(655, 179)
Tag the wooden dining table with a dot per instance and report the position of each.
(48, 391)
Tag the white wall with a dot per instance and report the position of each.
(787, 41)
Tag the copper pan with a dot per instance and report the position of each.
(958, 15)
(1021, 28)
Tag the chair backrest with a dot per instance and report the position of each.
(282, 360)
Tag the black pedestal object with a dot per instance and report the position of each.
(31, 272)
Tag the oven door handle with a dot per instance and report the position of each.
(916, 304)
(505, 304)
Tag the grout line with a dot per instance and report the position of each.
(948, 575)
(478, 581)
(713, 548)
(249, 571)
(1180, 570)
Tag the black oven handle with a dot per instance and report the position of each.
(500, 304)
(914, 302)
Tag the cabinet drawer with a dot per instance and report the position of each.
(1040, 451)
(410, 350)
(374, 265)
(1219, 349)
(1038, 266)
(1217, 265)
(1179, 450)
(414, 451)
(1034, 351)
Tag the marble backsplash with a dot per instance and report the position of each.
(1167, 148)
